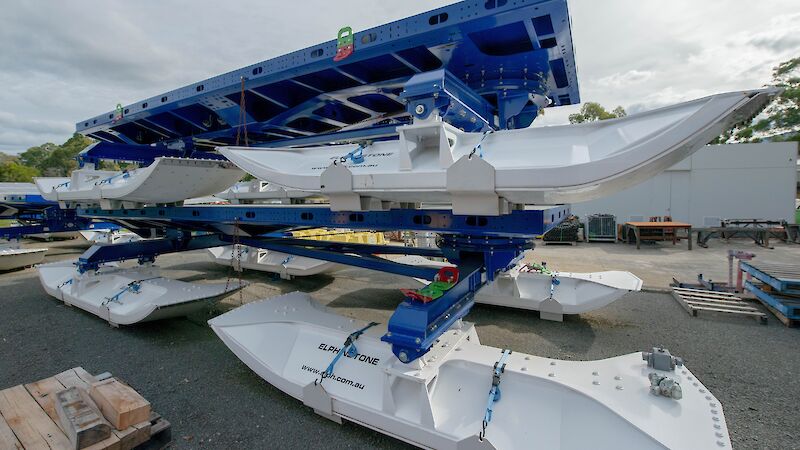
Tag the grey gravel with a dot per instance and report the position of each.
(215, 401)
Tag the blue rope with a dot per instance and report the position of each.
(494, 393)
(349, 348)
(479, 148)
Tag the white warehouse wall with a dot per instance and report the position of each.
(732, 181)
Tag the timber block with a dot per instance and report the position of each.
(80, 418)
(119, 403)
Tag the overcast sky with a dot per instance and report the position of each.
(65, 61)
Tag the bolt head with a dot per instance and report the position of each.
(403, 357)
(420, 109)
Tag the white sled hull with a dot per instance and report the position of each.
(11, 259)
(166, 180)
(439, 401)
(576, 293)
(107, 236)
(157, 298)
(285, 265)
(433, 162)
(259, 191)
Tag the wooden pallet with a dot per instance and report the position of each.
(28, 418)
(694, 300)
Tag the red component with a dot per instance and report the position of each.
(343, 52)
(414, 295)
(448, 275)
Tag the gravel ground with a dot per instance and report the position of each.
(215, 401)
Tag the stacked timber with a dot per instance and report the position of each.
(75, 410)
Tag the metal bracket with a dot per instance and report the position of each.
(661, 359)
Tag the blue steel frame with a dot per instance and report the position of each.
(480, 246)
(479, 64)
(502, 52)
(48, 220)
(256, 220)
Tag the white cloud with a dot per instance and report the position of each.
(62, 62)
(624, 80)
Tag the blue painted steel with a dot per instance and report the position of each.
(788, 306)
(782, 285)
(415, 326)
(441, 92)
(144, 250)
(503, 51)
(49, 220)
(257, 219)
(365, 260)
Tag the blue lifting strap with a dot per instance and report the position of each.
(357, 155)
(554, 281)
(494, 393)
(348, 348)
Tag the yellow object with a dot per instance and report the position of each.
(346, 236)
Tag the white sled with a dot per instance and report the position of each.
(557, 293)
(480, 174)
(521, 288)
(287, 266)
(260, 191)
(166, 180)
(108, 236)
(439, 401)
(17, 258)
(127, 296)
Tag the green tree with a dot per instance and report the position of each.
(55, 160)
(592, 111)
(12, 171)
(780, 120)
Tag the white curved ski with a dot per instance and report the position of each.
(439, 401)
(127, 296)
(257, 190)
(285, 265)
(434, 162)
(575, 293)
(17, 258)
(166, 180)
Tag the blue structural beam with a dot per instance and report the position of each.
(415, 326)
(255, 220)
(364, 260)
(504, 53)
(145, 250)
(49, 220)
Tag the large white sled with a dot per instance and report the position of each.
(553, 294)
(439, 401)
(287, 266)
(477, 173)
(166, 180)
(17, 258)
(125, 296)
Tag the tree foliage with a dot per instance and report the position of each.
(55, 160)
(12, 171)
(780, 121)
(49, 160)
(592, 111)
